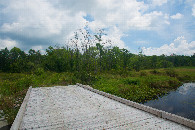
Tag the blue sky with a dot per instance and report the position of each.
(154, 26)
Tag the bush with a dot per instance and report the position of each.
(85, 77)
(131, 81)
(123, 72)
(185, 78)
(171, 73)
(143, 73)
(39, 71)
(154, 71)
(162, 82)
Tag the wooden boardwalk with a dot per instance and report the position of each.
(74, 107)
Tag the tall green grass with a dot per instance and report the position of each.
(139, 88)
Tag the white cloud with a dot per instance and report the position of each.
(141, 43)
(193, 10)
(180, 46)
(177, 16)
(9, 43)
(125, 14)
(40, 48)
(94, 25)
(55, 21)
(158, 2)
(112, 38)
(114, 34)
(43, 18)
(39, 19)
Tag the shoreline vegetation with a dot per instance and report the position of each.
(136, 77)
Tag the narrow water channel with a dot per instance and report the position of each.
(180, 102)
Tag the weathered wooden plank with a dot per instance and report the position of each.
(156, 112)
(73, 107)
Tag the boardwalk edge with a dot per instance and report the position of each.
(17, 122)
(159, 113)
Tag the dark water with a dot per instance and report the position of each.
(180, 102)
(7, 127)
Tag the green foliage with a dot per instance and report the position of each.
(132, 81)
(39, 71)
(129, 88)
(154, 72)
(90, 59)
(85, 78)
(171, 72)
(162, 82)
(143, 73)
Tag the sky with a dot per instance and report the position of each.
(154, 26)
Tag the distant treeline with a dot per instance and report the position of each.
(92, 59)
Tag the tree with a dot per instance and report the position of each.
(5, 60)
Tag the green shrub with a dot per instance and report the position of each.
(154, 72)
(131, 81)
(185, 78)
(161, 82)
(171, 73)
(143, 73)
(85, 77)
(39, 71)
